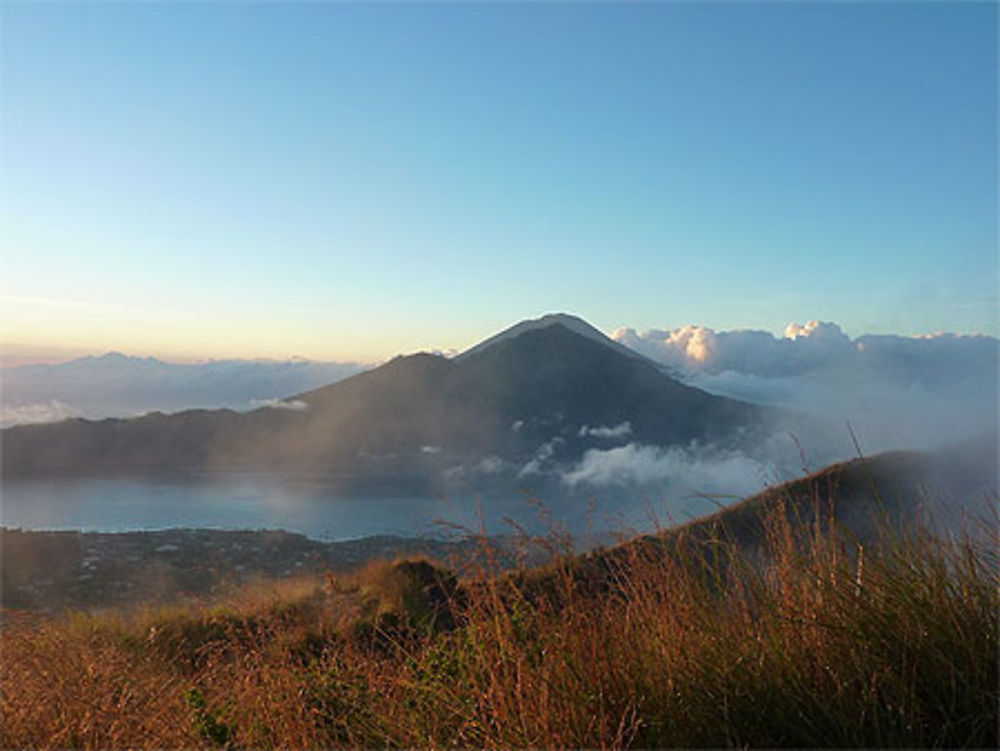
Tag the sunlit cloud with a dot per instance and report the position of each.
(897, 391)
(814, 346)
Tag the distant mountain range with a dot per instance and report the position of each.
(543, 391)
(115, 385)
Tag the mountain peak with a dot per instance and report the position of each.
(114, 357)
(570, 322)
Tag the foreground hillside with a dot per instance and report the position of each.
(796, 635)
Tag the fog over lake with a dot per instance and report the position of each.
(313, 507)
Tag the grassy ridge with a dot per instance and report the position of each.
(811, 639)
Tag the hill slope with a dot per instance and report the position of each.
(952, 492)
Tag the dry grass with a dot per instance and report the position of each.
(811, 641)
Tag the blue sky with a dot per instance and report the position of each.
(348, 181)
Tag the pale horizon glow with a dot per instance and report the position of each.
(16, 354)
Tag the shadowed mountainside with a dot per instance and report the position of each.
(406, 422)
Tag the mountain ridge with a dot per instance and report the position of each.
(568, 321)
(411, 419)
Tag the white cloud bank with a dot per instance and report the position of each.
(896, 391)
(814, 346)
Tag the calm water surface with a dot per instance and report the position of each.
(308, 506)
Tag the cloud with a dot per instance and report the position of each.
(896, 391)
(700, 349)
(491, 465)
(618, 431)
(295, 405)
(462, 477)
(449, 352)
(543, 454)
(695, 470)
(24, 414)
(816, 331)
(811, 347)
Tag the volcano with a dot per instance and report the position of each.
(553, 382)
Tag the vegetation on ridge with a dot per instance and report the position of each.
(814, 639)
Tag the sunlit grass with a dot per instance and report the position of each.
(812, 640)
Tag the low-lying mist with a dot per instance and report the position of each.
(115, 385)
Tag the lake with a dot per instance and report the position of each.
(310, 506)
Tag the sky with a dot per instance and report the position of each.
(342, 181)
